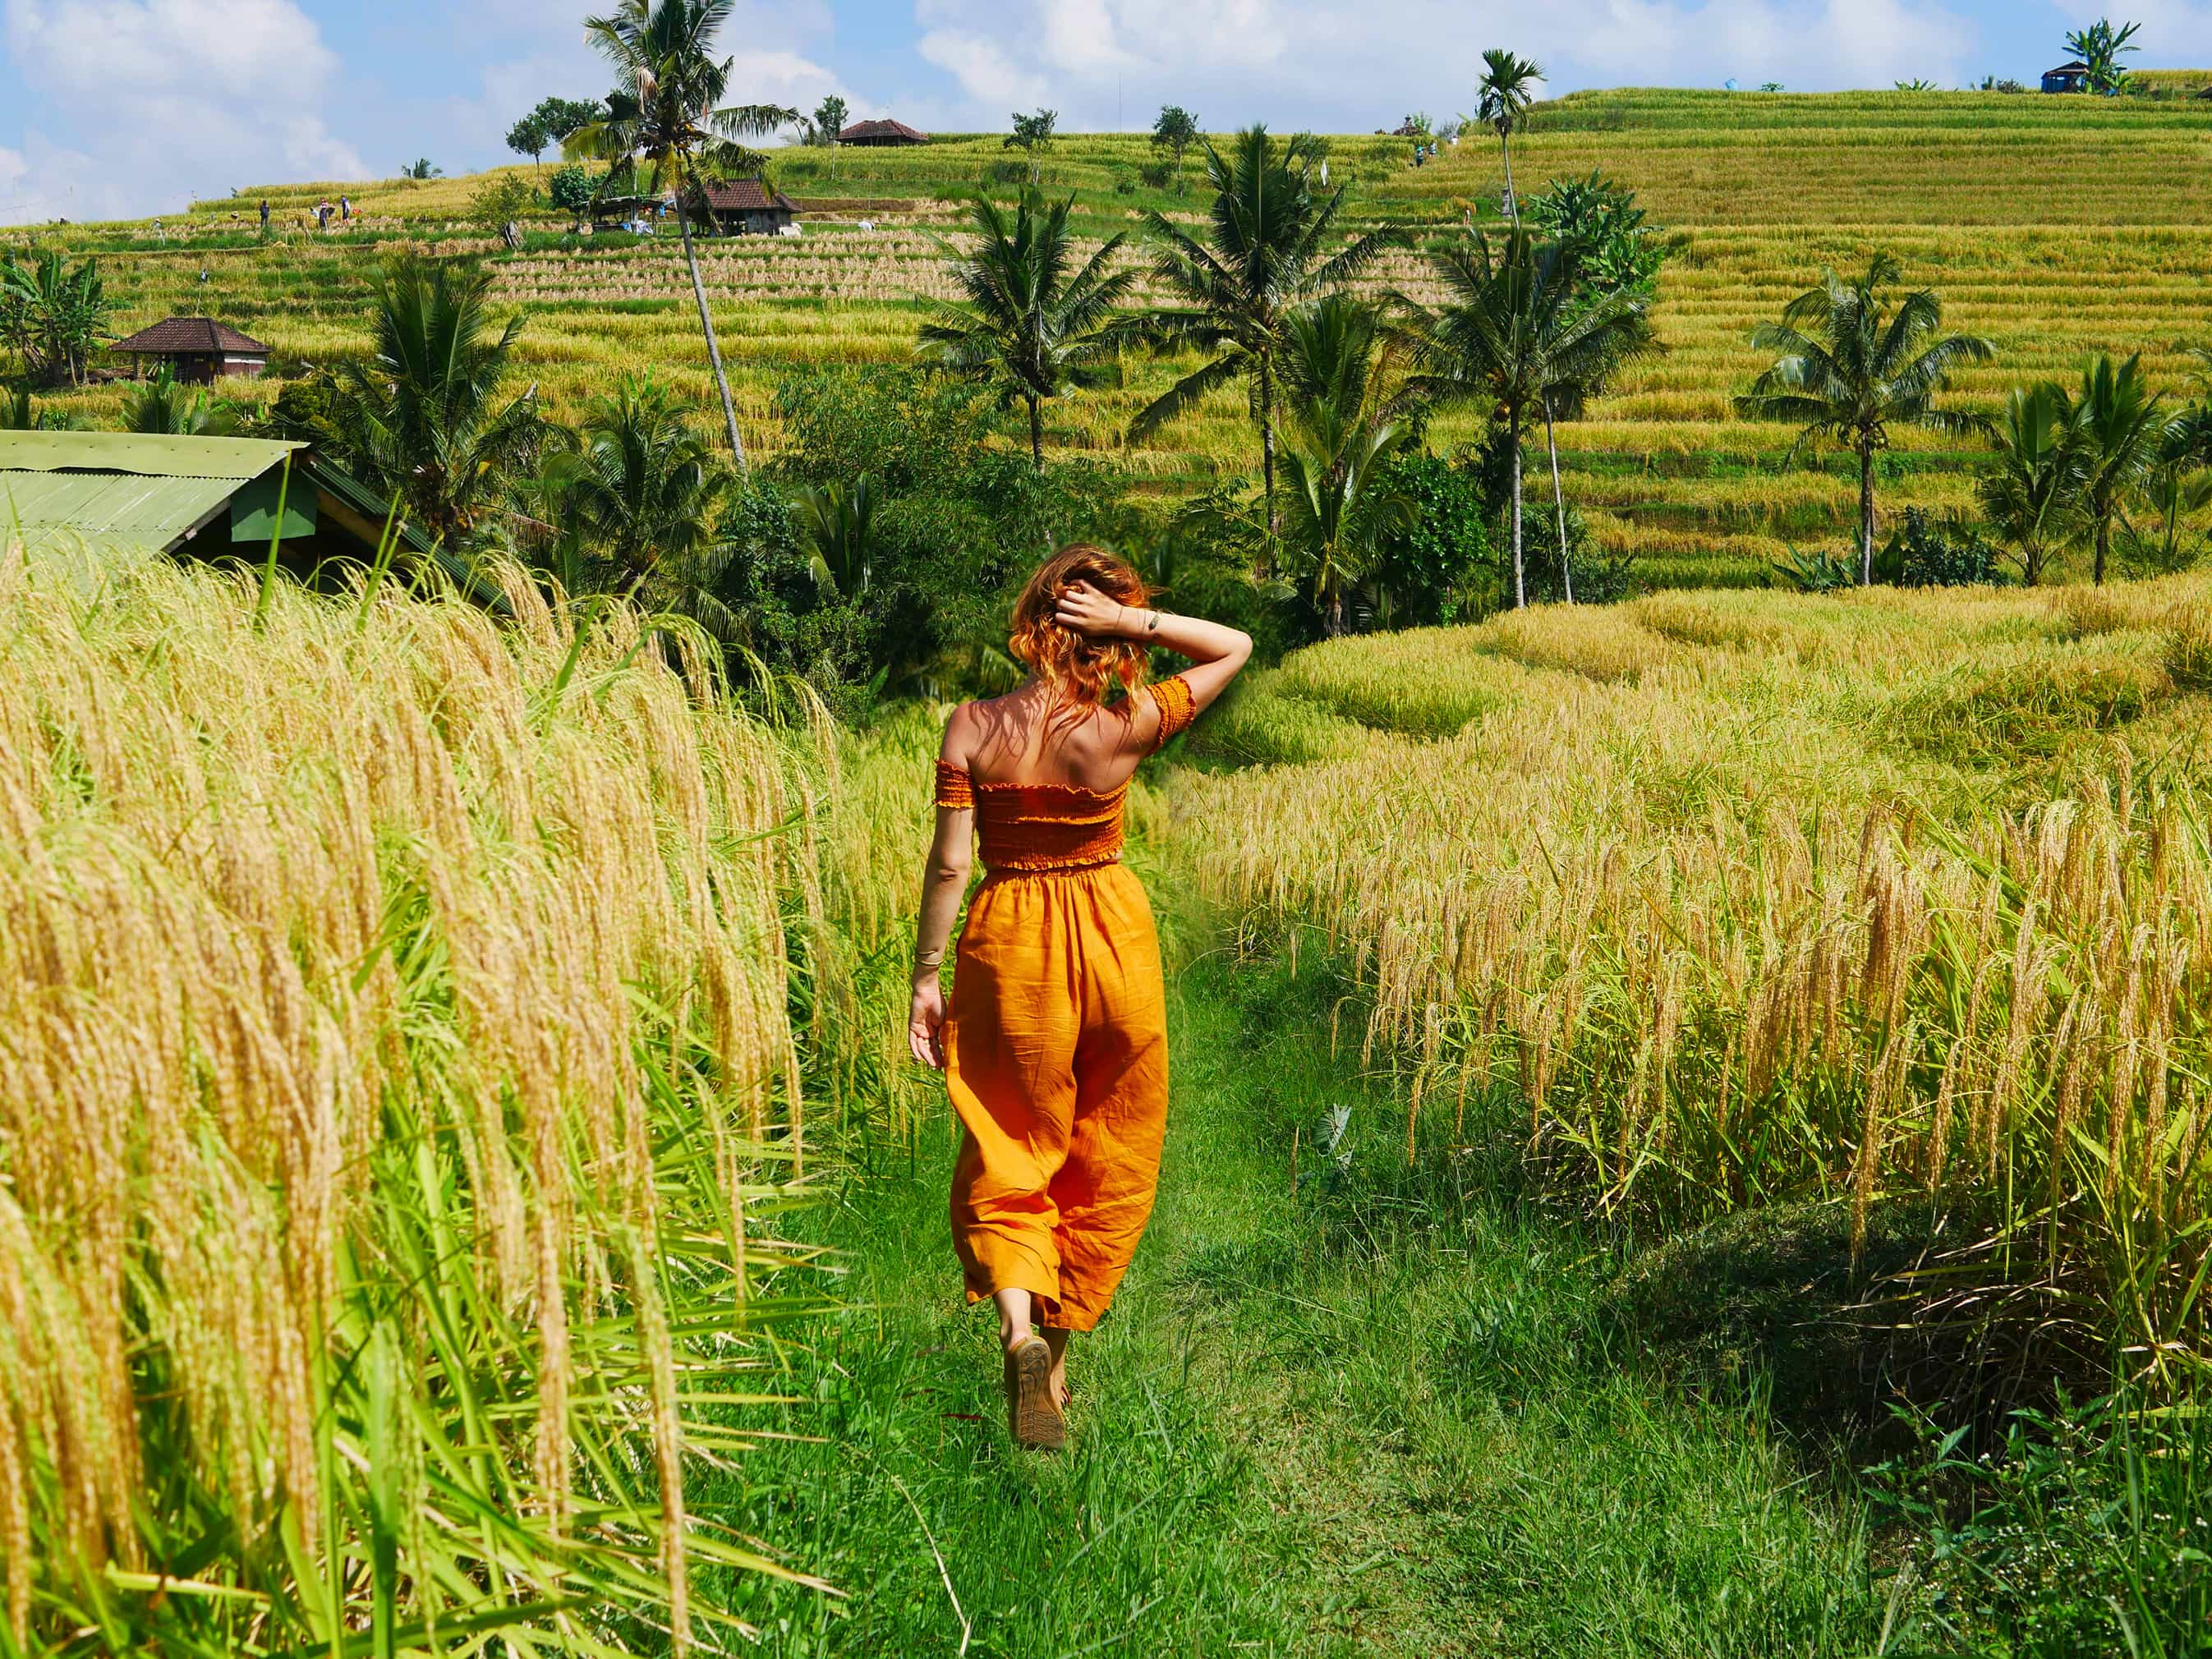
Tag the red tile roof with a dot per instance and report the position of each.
(176, 335)
(861, 131)
(746, 196)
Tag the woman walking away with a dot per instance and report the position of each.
(1056, 1049)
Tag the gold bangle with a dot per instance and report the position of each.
(929, 958)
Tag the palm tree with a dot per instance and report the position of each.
(2101, 47)
(1517, 329)
(2173, 492)
(1031, 322)
(836, 525)
(160, 405)
(1264, 254)
(2032, 496)
(53, 316)
(1852, 368)
(1339, 441)
(673, 116)
(426, 413)
(1503, 98)
(2120, 426)
(643, 490)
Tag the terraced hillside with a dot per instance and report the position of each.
(2054, 226)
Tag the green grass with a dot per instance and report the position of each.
(1385, 1411)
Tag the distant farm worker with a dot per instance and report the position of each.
(1054, 1050)
(345, 209)
(323, 213)
(265, 214)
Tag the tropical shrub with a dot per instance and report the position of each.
(1437, 568)
(53, 316)
(1928, 552)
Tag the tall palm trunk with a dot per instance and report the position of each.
(1268, 441)
(707, 324)
(1520, 577)
(1560, 501)
(2104, 546)
(1866, 513)
(1037, 434)
(1512, 196)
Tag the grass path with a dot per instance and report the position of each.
(1380, 1414)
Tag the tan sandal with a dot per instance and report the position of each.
(1032, 1414)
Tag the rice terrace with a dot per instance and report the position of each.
(1687, 953)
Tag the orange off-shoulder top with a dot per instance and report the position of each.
(1055, 826)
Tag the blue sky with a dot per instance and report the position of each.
(133, 106)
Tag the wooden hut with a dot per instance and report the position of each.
(747, 207)
(197, 349)
(2067, 77)
(881, 134)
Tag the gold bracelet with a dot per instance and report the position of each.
(929, 958)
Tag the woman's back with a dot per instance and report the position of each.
(1030, 738)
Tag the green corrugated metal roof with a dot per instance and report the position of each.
(118, 506)
(150, 455)
(124, 486)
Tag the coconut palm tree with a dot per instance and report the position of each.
(642, 488)
(1503, 98)
(670, 115)
(1852, 366)
(160, 405)
(1268, 251)
(427, 414)
(1517, 329)
(2119, 426)
(2032, 496)
(1339, 438)
(1033, 322)
(836, 525)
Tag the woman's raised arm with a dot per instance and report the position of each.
(1217, 652)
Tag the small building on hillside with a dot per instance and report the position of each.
(882, 134)
(208, 498)
(2067, 77)
(197, 349)
(747, 207)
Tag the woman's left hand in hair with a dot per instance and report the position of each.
(1087, 612)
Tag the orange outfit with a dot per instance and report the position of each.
(1056, 1045)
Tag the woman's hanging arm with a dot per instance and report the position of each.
(944, 882)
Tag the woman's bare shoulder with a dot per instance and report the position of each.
(962, 727)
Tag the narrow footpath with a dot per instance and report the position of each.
(1348, 1410)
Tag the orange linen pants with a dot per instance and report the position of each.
(1057, 1062)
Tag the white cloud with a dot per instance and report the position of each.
(181, 98)
(1354, 63)
(532, 49)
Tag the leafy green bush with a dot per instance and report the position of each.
(570, 187)
(1433, 569)
(1815, 570)
(1620, 248)
(502, 198)
(962, 521)
(1928, 552)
